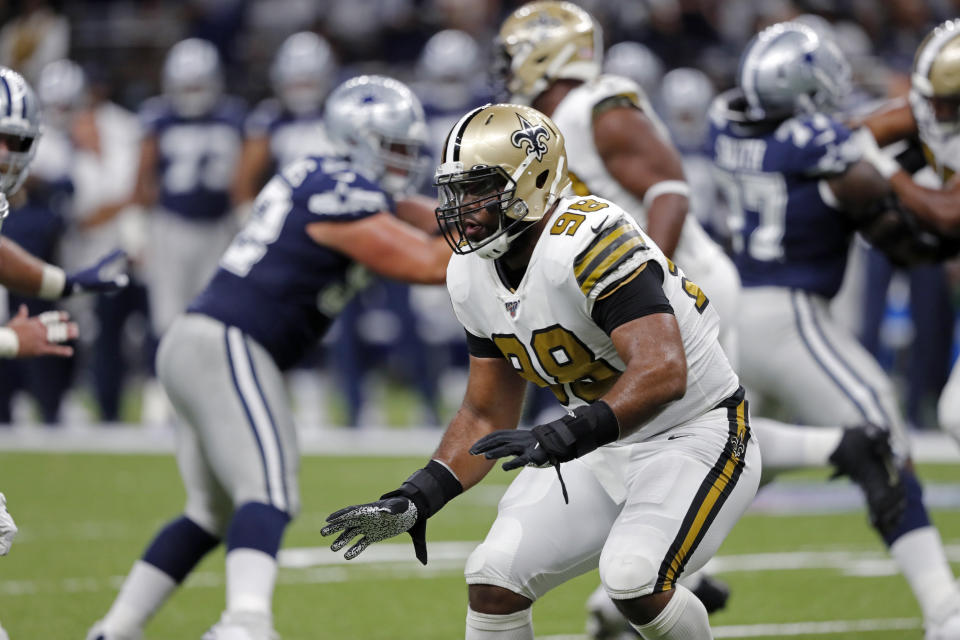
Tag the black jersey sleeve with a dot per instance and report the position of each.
(638, 296)
(480, 347)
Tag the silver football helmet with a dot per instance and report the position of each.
(302, 72)
(686, 95)
(192, 77)
(19, 133)
(787, 68)
(637, 62)
(62, 88)
(449, 55)
(380, 124)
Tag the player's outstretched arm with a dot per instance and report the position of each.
(656, 373)
(649, 167)
(387, 246)
(492, 401)
(27, 275)
(890, 123)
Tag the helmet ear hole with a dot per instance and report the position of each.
(542, 178)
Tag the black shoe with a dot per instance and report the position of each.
(712, 592)
(865, 456)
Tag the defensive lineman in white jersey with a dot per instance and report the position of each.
(569, 293)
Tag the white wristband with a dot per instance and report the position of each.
(676, 187)
(52, 284)
(871, 153)
(9, 343)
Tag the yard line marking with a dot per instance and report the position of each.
(793, 628)
(815, 628)
(318, 565)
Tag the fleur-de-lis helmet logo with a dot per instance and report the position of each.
(531, 138)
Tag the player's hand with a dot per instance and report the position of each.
(7, 527)
(524, 444)
(108, 274)
(375, 521)
(41, 335)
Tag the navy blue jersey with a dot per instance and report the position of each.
(197, 157)
(291, 136)
(784, 231)
(274, 282)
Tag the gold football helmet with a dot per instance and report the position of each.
(936, 75)
(507, 159)
(545, 41)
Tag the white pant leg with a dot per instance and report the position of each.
(948, 408)
(684, 496)
(231, 395)
(537, 542)
(815, 369)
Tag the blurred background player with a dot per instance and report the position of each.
(931, 114)
(288, 125)
(192, 139)
(797, 190)
(316, 229)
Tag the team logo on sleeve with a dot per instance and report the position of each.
(532, 139)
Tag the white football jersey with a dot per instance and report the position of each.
(574, 117)
(588, 248)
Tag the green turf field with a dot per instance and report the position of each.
(85, 518)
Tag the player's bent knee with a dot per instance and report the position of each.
(491, 599)
(627, 575)
(211, 520)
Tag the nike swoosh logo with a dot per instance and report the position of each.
(679, 435)
(596, 228)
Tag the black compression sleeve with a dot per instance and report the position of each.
(480, 347)
(641, 296)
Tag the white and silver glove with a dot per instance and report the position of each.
(375, 521)
(8, 529)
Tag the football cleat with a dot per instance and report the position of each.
(242, 625)
(712, 592)
(99, 632)
(865, 456)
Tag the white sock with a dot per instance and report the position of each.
(787, 446)
(142, 594)
(921, 559)
(487, 626)
(684, 618)
(251, 576)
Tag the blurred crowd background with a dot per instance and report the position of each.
(396, 354)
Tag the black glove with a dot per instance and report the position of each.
(404, 509)
(562, 440)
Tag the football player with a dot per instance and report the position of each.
(192, 138)
(932, 113)
(550, 58)
(318, 229)
(290, 124)
(21, 272)
(655, 459)
(798, 189)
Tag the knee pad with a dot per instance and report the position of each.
(627, 574)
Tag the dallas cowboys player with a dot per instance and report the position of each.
(798, 190)
(290, 124)
(318, 228)
(932, 113)
(41, 335)
(20, 272)
(191, 144)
